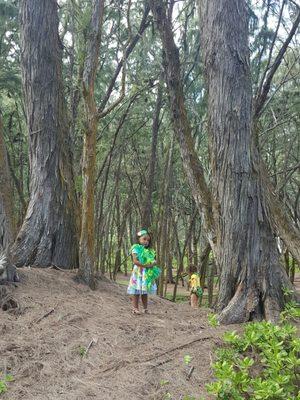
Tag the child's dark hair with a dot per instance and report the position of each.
(141, 233)
(192, 269)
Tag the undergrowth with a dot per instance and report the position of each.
(262, 363)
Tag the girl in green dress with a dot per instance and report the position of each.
(144, 273)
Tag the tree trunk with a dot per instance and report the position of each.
(147, 209)
(6, 196)
(7, 269)
(49, 232)
(204, 259)
(87, 237)
(163, 256)
(251, 275)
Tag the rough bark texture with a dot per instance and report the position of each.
(7, 269)
(6, 196)
(87, 240)
(49, 232)
(251, 275)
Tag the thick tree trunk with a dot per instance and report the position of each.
(49, 232)
(251, 275)
(239, 229)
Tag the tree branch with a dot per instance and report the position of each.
(91, 61)
(143, 25)
(282, 224)
(261, 99)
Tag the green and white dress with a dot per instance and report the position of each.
(137, 283)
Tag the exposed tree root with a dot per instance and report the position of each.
(7, 302)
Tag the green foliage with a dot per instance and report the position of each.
(213, 320)
(261, 363)
(82, 351)
(3, 383)
(163, 382)
(180, 298)
(187, 359)
(292, 311)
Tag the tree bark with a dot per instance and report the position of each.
(239, 227)
(204, 259)
(147, 209)
(87, 238)
(6, 195)
(251, 275)
(49, 232)
(163, 251)
(7, 269)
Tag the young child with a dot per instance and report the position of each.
(141, 281)
(195, 288)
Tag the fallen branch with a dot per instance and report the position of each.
(190, 372)
(182, 346)
(93, 341)
(53, 266)
(123, 363)
(42, 317)
(161, 363)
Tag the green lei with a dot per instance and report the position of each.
(147, 256)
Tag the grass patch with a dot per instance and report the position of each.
(180, 298)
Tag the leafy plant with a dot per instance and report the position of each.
(3, 383)
(187, 359)
(262, 363)
(82, 351)
(163, 382)
(213, 320)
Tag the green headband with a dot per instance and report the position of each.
(142, 232)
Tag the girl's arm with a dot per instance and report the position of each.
(139, 264)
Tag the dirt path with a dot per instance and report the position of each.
(131, 358)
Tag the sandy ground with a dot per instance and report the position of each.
(134, 357)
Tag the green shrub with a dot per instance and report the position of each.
(261, 363)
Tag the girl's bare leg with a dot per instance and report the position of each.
(145, 301)
(194, 300)
(135, 301)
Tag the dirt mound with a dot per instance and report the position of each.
(43, 343)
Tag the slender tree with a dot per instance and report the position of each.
(7, 270)
(147, 208)
(93, 114)
(87, 245)
(49, 232)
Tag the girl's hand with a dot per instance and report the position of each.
(152, 264)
